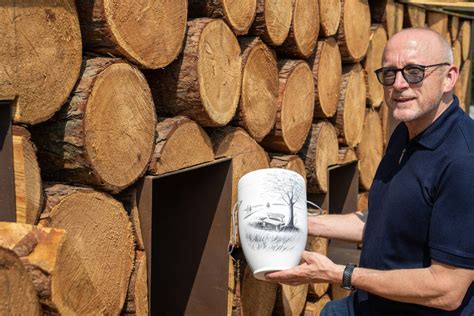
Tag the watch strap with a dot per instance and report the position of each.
(347, 276)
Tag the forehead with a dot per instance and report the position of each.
(403, 50)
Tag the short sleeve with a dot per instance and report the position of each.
(451, 236)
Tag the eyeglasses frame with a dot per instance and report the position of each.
(377, 71)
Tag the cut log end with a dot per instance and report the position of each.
(289, 162)
(354, 30)
(330, 13)
(258, 297)
(273, 20)
(373, 61)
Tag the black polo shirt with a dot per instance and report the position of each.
(421, 207)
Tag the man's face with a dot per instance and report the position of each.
(410, 102)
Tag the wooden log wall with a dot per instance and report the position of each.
(108, 92)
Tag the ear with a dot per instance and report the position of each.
(450, 78)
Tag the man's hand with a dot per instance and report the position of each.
(314, 268)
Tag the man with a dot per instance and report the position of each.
(418, 238)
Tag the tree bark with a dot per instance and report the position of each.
(351, 106)
(180, 143)
(295, 108)
(353, 34)
(28, 186)
(58, 273)
(17, 292)
(41, 56)
(373, 61)
(414, 16)
(81, 145)
(150, 34)
(238, 14)
(304, 30)
(289, 162)
(204, 82)
(327, 70)
(370, 149)
(319, 152)
(272, 21)
(257, 112)
(329, 15)
(136, 302)
(100, 233)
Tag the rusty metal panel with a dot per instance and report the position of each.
(185, 221)
(7, 177)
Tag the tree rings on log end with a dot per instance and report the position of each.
(41, 56)
(272, 21)
(373, 61)
(330, 13)
(289, 162)
(180, 143)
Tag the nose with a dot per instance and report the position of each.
(400, 82)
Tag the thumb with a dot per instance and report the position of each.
(306, 256)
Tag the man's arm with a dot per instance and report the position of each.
(349, 227)
(440, 286)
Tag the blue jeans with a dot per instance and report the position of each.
(342, 307)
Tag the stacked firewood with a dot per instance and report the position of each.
(108, 92)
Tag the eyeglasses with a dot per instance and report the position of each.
(412, 73)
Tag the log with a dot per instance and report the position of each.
(373, 61)
(17, 292)
(362, 201)
(399, 12)
(326, 66)
(272, 21)
(99, 231)
(136, 302)
(290, 299)
(438, 22)
(346, 155)
(80, 145)
(329, 15)
(414, 16)
(465, 38)
(129, 199)
(238, 14)
(461, 89)
(353, 34)
(59, 275)
(319, 245)
(41, 56)
(319, 152)
(150, 34)
(384, 12)
(258, 297)
(28, 186)
(304, 30)
(453, 26)
(336, 292)
(289, 162)
(315, 308)
(180, 143)
(388, 123)
(204, 82)
(257, 112)
(295, 107)
(457, 53)
(351, 106)
(370, 149)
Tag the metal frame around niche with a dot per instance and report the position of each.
(7, 176)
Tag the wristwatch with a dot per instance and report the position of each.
(347, 276)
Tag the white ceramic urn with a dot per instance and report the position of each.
(272, 218)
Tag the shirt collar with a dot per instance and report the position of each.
(434, 134)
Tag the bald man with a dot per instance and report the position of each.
(418, 234)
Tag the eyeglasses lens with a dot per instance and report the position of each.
(412, 74)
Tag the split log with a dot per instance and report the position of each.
(99, 232)
(41, 56)
(17, 292)
(81, 145)
(319, 245)
(351, 105)
(204, 83)
(289, 162)
(315, 308)
(137, 295)
(257, 111)
(180, 143)
(258, 297)
(28, 186)
(329, 15)
(453, 26)
(414, 16)
(370, 149)
(290, 300)
(272, 21)
(465, 38)
(373, 61)
(346, 155)
(438, 22)
(319, 152)
(238, 14)
(362, 201)
(150, 34)
(457, 53)
(295, 107)
(304, 30)
(326, 66)
(353, 34)
(388, 122)
(59, 276)
(461, 88)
